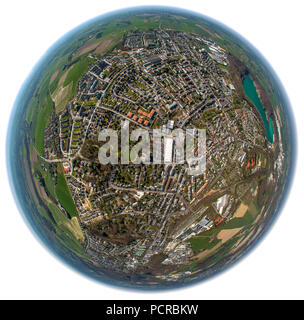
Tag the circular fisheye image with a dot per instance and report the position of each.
(150, 148)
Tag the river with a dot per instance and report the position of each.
(250, 90)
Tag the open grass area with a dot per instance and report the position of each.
(58, 215)
(43, 116)
(64, 196)
(68, 231)
(76, 72)
(201, 242)
(209, 239)
(48, 179)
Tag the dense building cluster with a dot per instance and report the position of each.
(133, 213)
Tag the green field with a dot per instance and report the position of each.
(64, 196)
(64, 235)
(42, 121)
(48, 179)
(76, 72)
(207, 240)
(41, 105)
(201, 242)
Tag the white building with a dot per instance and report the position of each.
(170, 124)
(168, 149)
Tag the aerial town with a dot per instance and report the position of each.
(140, 215)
